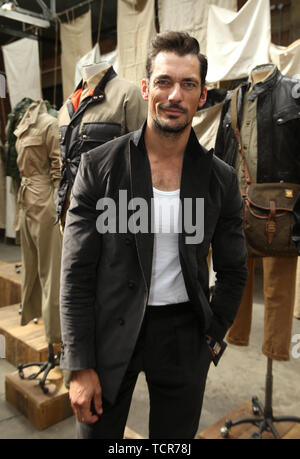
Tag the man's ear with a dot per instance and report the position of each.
(202, 98)
(145, 89)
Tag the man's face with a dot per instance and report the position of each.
(173, 92)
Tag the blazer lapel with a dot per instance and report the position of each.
(195, 176)
(141, 187)
(195, 181)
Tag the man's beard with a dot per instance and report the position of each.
(165, 128)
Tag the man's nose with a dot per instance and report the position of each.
(175, 93)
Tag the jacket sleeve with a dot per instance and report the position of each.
(220, 141)
(52, 142)
(229, 262)
(80, 255)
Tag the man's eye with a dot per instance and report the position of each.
(162, 82)
(189, 84)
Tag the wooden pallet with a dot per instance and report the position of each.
(10, 284)
(24, 343)
(286, 430)
(43, 410)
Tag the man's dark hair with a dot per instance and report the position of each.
(180, 43)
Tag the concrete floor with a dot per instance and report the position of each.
(239, 375)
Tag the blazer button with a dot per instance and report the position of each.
(131, 284)
(121, 321)
(128, 241)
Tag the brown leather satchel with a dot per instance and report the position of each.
(268, 209)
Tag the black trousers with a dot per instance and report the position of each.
(173, 354)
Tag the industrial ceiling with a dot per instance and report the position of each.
(104, 11)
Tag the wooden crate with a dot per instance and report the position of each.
(24, 343)
(10, 284)
(244, 431)
(43, 410)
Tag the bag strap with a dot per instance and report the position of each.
(234, 124)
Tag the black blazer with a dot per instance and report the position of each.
(106, 277)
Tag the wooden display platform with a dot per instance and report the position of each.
(24, 343)
(10, 284)
(43, 410)
(286, 430)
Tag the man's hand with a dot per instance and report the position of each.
(84, 388)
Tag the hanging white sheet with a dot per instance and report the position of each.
(76, 41)
(135, 29)
(237, 42)
(287, 59)
(190, 16)
(22, 68)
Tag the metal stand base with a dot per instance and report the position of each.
(44, 367)
(264, 422)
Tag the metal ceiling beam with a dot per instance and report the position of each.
(17, 33)
(27, 18)
(30, 17)
(48, 13)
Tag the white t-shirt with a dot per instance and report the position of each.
(167, 284)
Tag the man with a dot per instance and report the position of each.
(134, 300)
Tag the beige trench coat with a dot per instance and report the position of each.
(39, 164)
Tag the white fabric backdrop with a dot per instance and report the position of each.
(76, 41)
(135, 28)
(237, 42)
(287, 58)
(190, 16)
(22, 67)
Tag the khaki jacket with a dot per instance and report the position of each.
(102, 108)
(38, 136)
(39, 164)
(38, 155)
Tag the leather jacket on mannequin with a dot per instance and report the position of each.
(269, 122)
(278, 114)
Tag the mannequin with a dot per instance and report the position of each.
(279, 283)
(41, 243)
(103, 107)
(258, 74)
(90, 70)
(272, 156)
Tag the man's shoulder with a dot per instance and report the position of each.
(222, 170)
